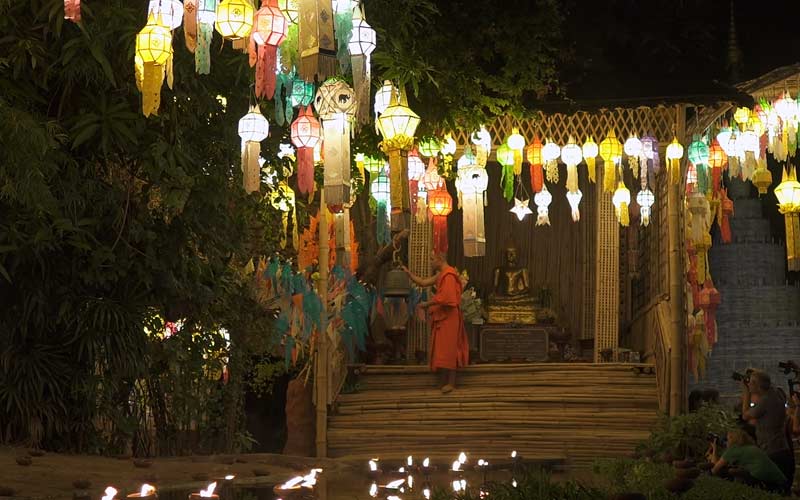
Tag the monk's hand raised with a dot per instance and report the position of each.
(405, 270)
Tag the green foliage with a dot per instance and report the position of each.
(687, 435)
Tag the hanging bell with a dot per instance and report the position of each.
(396, 284)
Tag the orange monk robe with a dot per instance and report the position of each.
(449, 345)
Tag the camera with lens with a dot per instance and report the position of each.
(713, 437)
(788, 367)
(742, 377)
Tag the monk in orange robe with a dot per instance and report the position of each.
(449, 345)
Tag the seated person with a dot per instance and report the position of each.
(744, 454)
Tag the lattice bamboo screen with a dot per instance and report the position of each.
(420, 244)
(607, 275)
(659, 121)
(653, 251)
(589, 268)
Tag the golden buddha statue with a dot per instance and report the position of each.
(511, 301)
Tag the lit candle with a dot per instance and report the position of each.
(410, 461)
(206, 493)
(146, 492)
(462, 458)
(110, 493)
(373, 490)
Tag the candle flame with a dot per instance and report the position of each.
(426, 462)
(393, 497)
(229, 477)
(373, 490)
(462, 458)
(307, 481)
(456, 486)
(373, 465)
(410, 461)
(147, 490)
(111, 492)
(426, 493)
(456, 465)
(514, 454)
(401, 470)
(514, 483)
(208, 492)
(396, 484)
(410, 481)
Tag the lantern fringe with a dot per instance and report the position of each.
(517, 162)
(317, 62)
(361, 84)
(624, 215)
(169, 72)
(551, 171)
(537, 178)
(507, 181)
(440, 241)
(674, 167)
(152, 79)
(190, 24)
(72, 10)
(609, 177)
(591, 166)
(251, 168)
(633, 163)
(543, 217)
(572, 178)
(265, 61)
(202, 54)
(336, 157)
(422, 211)
(305, 170)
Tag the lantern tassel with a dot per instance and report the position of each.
(72, 10)
(674, 170)
(572, 178)
(542, 216)
(361, 85)
(517, 162)
(202, 54)
(507, 181)
(422, 211)
(152, 79)
(344, 30)
(591, 165)
(336, 154)
(609, 177)
(440, 242)
(317, 42)
(266, 60)
(624, 215)
(551, 171)
(305, 170)
(251, 168)
(190, 24)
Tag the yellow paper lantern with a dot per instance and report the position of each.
(611, 153)
(154, 42)
(235, 19)
(590, 152)
(674, 155)
(788, 194)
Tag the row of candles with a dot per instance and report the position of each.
(289, 488)
(402, 480)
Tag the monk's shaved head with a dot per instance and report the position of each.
(438, 260)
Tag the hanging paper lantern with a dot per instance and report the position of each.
(282, 198)
(698, 154)
(543, 199)
(153, 56)
(621, 201)
(700, 237)
(674, 155)
(253, 128)
(748, 147)
(550, 154)
(432, 181)
(788, 194)
(471, 183)
(717, 160)
(521, 208)
(306, 134)
(505, 157)
(398, 124)
(517, 144)
(571, 155)
(380, 191)
(534, 156)
(574, 198)
(375, 165)
(72, 10)
(726, 207)
(363, 41)
(590, 151)
(268, 32)
(611, 153)
(741, 116)
(235, 20)
(440, 204)
(290, 10)
(482, 140)
(171, 12)
(710, 299)
(383, 97)
(336, 107)
(645, 199)
(633, 149)
(762, 179)
(206, 18)
(650, 152)
(416, 169)
(190, 24)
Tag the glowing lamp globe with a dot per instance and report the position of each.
(171, 12)
(698, 153)
(741, 116)
(611, 148)
(429, 147)
(749, 142)
(363, 39)
(724, 139)
(270, 26)
(633, 146)
(154, 42)
(590, 148)
(505, 155)
(398, 122)
(762, 179)
(234, 19)
(305, 131)
(621, 195)
(788, 193)
(674, 150)
(290, 10)
(571, 154)
(440, 203)
(645, 199)
(550, 151)
(253, 127)
(379, 188)
(515, 141)
(716, 155)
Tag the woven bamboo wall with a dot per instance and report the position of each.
(420, 244)
(659, 121)
(652, 252)
(607, 276)
(556, 255)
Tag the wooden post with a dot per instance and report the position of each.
(321, 373)
(678, 341)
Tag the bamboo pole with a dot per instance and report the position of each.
(677, 351)
(322, 340)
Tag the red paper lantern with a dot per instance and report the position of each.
(727, 213)
(440, 204)
(306, 134)
(534, 156)
(717, 160)
(269, 31)
(710, 299)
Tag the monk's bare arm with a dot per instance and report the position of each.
(423, 282)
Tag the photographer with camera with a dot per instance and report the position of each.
(742, 453)
(764, 407)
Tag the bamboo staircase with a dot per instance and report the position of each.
(573, 413)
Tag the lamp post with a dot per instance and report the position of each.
(397, 124)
